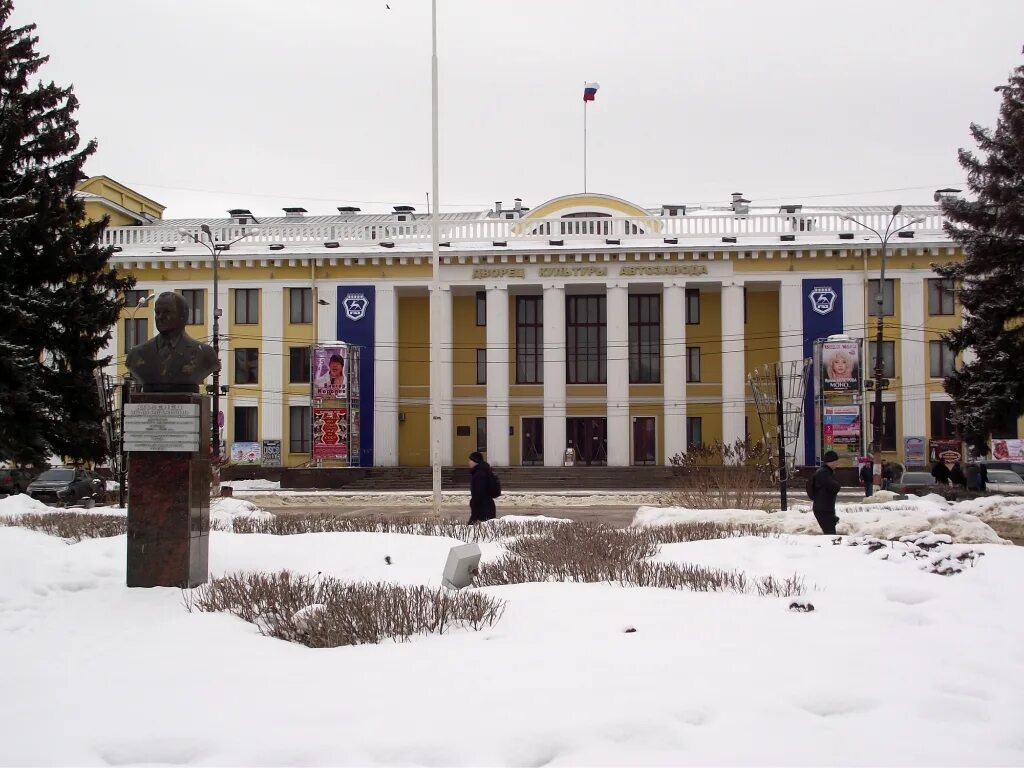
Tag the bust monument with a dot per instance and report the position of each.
(172, 361)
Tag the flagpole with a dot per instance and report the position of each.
(584, 141)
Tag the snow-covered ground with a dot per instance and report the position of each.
(895, 666)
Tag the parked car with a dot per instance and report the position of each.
(66, 485)
(15, 479)
(1004, 481)
(915, 482)
(1013, 466)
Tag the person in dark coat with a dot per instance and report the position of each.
(867, 477)
(941, 473)
(481, 504)
(957, 476)
(887, 474)
(982, 476)
(823, 488)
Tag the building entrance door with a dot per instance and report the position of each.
(644, 443)
(589, 438)
(533, 442)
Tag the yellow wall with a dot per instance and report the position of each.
(414, 380)
(121, 195)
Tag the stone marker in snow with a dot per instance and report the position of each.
(461, 565)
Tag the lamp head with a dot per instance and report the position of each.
(896, 210)
(206, 229)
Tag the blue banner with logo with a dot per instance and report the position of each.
(356, 315)
(822, 316)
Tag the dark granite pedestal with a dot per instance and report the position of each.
(169, 507)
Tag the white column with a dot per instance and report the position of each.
(791, 339)
(618, 374)
(385, 378)
(554, 375)
(853, 306)
(733, 369)
(673, 368)
(445, 373)
(497, 376)
(913, 348)
(271, 370)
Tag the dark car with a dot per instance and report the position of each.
(15, 479)
(915, 482)
(66, 485)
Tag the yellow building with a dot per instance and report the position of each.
(105, 197)
(590, 322)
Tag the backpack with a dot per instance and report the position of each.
(494, 485)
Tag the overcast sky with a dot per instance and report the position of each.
(206, 105)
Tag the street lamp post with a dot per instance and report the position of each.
(879, 370)
(435, 285)
(214, 248)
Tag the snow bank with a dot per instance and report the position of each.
(226, 510)
(21, 504)
(885, 521)
(253, 485)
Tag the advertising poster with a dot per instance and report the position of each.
(840, 366)
(914, 451)
(245, 453)
(271, 453)
(354, 436)
(330, 372)
(1008, 450)
(938, 447)
(330, 433)
(841, 427)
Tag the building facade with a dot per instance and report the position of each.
(588, 322)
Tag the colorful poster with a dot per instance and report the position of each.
(330, 433)
(354, 437)
(271, 453)
(245, 453)
(841, 428)
(1008, 450)
(330, 372)
(840, 366)
(938, 447)
(913, 451)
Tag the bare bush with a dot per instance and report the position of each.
(705, 530)
(322, 612)
(723, 476)
(326, 522)
(71, 525)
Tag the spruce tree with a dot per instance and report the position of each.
(990, 228)
(59, 297)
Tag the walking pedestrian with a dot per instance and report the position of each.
(823, 488)
(867, 477)
(481, 490)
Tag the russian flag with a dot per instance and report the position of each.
(590, 91)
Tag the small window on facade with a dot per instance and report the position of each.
(481, 308)
(196, 299)
(481, 434)
(481, 366)
(941, 360)
(247, 365)
(246, 424)
(941, 297)
(300, 305)
(298, 365)
(300, 429)
(133, 297)
(692, 306)
(135, 332)
(888, 360)
(247, 306)
(693, 363)
(888, 298)
(694, 432)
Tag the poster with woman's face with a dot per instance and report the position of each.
(330, 372)
(840, 366)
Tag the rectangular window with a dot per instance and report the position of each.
(298, 365)
(744, 305)
(196, 300)
(481, 434)
(481, 308)
(300, 429)
(941, 360)
(586, 340)
(693, 306)
(246, 424)
(135, 332)
(247, 306)
(300, 305)
(941, 296)
(888, 298)
(693, 363)
(644, 339)
(247, 366)
(133, 297)
(942, 424)
(529, 339)
(888, 425)
(481, 366)
(1006, 427)
(888, 360)
(694, 432)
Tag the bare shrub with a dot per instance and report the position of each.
(723, 476)
(71, 525)
(322, 612)
(705, 530)
(420, 525)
